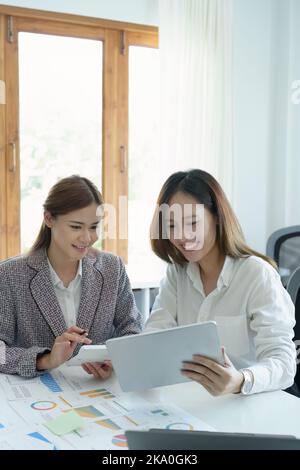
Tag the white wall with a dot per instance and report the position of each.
(293, 140)
(132, 11)
(266, 123)
(278, 115)
(251, 72)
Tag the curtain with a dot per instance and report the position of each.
(196, 87)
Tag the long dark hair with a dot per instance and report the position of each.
(206, 190)
(67, 195)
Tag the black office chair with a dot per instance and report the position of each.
(293, 288)
(284, 247)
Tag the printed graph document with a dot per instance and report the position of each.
(31, 438)
(15, 387)
(105, 417)
(109, 432)
(26, 441)
(8, 418)
(29, 405)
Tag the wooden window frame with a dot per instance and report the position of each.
(116, 37)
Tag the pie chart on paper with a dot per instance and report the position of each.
(43, 405)
(120, 441)
(182, 426)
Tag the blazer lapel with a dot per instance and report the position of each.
(92, 283)
(42, 291)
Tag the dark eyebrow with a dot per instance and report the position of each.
(81, 223)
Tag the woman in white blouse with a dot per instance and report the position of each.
(213, 275)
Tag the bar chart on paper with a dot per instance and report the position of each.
(98, 392)
(108, 424)
(159, 412)
(87, 411)
(48, 380)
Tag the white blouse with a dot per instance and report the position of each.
(68, 297)
(254, 313)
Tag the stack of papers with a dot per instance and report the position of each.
(53, 411)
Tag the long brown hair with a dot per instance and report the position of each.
(206, 190)
(67, 195)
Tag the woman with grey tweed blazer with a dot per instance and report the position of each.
(63, 293)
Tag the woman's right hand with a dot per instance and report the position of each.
(63, 348)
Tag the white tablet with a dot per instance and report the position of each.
(92, 353)
(154, 359)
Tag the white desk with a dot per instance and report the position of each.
(270, 413)
(265, 413)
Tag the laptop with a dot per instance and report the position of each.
(167, 439)
(154, 359)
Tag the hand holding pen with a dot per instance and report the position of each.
(63, 348)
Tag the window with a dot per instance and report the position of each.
(66, 112)
(60, 83)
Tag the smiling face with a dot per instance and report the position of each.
(192, 228)
(74, 233)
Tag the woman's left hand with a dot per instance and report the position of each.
(216, 379)
(100, 370)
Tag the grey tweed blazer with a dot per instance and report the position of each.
(31, 318)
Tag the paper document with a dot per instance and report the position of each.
(74, 411)
(15, 387)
